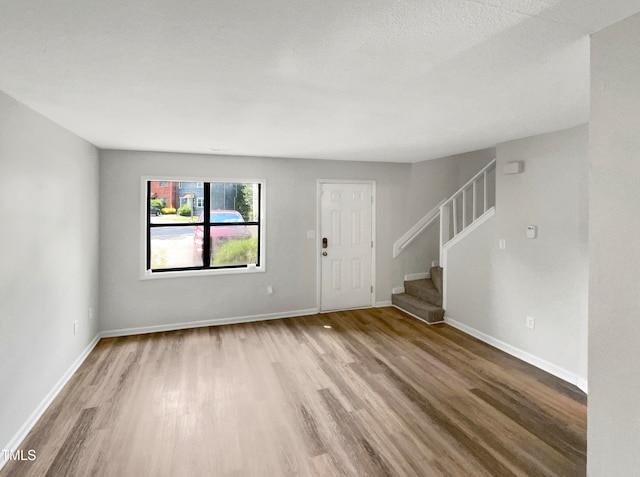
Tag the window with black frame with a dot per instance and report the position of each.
(202, 225)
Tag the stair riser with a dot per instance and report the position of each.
(426, 293)
(434, 315)
(436, 277)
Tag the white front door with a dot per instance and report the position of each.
(346, 246)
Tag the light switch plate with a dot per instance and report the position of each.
(532, 231)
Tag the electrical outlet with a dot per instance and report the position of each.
(75, 327)
(502, 244)
(269, 290)
(531, 323)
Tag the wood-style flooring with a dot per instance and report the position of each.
(369, 392)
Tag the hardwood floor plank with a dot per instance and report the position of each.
(362, 392)
(481, 453)
(306, 420)
(366, 459)
(67, 457)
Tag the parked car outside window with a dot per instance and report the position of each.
(221, 233)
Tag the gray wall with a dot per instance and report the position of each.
(614, 252)
(49, 256)
(291, 185)
(405, 192)
(128, 302)
(492, 291)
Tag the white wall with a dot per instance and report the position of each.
(49, 258)
(492, 291)
(291, 185)
(614, 252)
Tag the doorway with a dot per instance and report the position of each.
(346, 245)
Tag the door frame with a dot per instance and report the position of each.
(321, 182)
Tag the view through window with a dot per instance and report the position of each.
(182, 236)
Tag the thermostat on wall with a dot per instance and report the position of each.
(532, 231)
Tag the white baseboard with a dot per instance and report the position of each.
(17, 439)
(583, 384)
(380, 304)
(199, 324)
(540, 363)
(397, 290)
(416, 276)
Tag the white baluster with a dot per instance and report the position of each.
(484, 179)
(464, 208)
(474, 208)
(455, 217)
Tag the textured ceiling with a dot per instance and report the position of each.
(381, 80)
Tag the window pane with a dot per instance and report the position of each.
(234, 245)
(175, 202)
(173, 247)
(241, 197)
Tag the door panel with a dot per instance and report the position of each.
(347, 261)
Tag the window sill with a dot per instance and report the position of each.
(148, 275)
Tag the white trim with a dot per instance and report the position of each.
(374, 237)
(444, 252)
(149, 275)
(416, 276)
(31, 421)
(382, 304)
(411, 234)
(337, 310)
(583, 384)
(525, 356)
(417, 317)
(199, 324)
(397, 290)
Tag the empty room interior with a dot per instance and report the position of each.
(418, 258)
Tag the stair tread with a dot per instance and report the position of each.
(424, 289)
(416, 306)
(418, 301)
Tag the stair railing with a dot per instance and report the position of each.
(411, 234)
(467, 205)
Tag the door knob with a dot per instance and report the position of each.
(324, 254)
